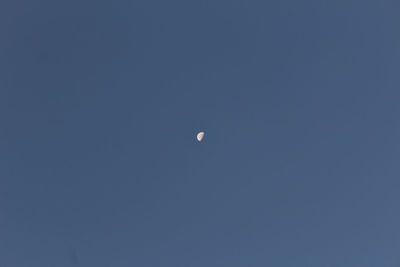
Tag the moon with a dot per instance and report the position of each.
(200, 136)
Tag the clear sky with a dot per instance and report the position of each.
(100, 102)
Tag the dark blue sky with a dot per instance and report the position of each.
(100, 103)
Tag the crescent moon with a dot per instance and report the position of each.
(200, 136)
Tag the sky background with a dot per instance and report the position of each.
(100, 102)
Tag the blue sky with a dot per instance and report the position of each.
(100, 103)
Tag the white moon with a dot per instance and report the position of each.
(200, 136)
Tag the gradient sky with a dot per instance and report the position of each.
(100, 102)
